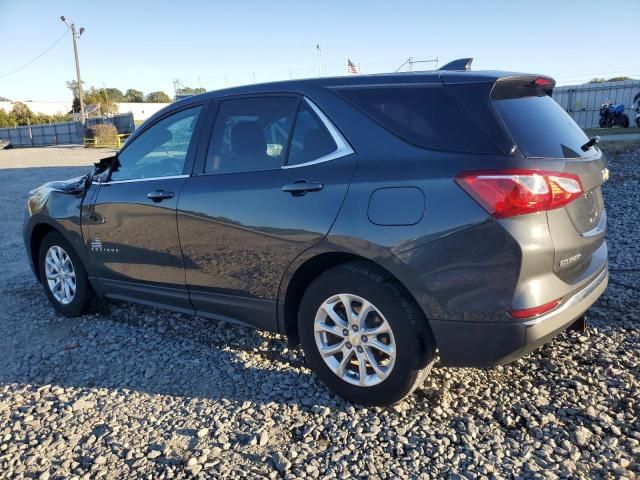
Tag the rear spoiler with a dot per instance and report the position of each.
(517, 86)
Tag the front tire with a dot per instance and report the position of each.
(364, 336)
(64, 277)
(638, 122)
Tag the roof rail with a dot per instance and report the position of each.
(459, 64)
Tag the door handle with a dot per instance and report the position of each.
(300, 187)
(159, 195)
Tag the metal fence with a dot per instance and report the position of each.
(61, 133)
(583, 102)
(123, 122)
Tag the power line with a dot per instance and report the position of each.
(36, 58)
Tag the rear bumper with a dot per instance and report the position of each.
(484, 344)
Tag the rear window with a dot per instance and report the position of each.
(537, 124)
(423, 115)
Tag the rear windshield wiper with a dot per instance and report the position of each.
(592, 141)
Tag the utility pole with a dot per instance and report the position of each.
(75, 36)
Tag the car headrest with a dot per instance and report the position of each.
(247, 139)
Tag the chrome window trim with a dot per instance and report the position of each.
(168, 177)
(343, 148)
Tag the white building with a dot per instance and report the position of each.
(141, 111)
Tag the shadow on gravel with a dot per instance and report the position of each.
(141, 349)
(146, 350)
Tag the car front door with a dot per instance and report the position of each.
(131, 231)
(275, 175)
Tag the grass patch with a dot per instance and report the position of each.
(590, 132)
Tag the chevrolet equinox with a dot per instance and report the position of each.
(379, 220)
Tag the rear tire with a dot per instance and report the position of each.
(625, 120)
(64, 277)
(389, 354)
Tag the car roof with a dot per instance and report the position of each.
(304, 85)
(431, 76)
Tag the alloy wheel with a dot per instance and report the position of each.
(61, 276)
(355, 340)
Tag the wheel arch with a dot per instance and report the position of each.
(38, 232)
(313, 266)
(39, 227)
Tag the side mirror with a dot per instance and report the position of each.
(102, 167)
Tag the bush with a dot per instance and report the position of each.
(105, 134)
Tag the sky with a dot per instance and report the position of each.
(146, 44)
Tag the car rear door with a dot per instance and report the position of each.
(268, 188)
(130, 227)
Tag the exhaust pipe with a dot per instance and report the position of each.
(580, 325)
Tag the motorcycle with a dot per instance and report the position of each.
(636, 108)
(612, 115)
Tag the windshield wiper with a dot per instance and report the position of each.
(592, 141)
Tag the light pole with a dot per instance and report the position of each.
(75, 36)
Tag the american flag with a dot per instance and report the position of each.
(351, 68)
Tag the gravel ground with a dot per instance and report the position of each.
(138, 392)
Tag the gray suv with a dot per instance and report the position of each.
(379, 220)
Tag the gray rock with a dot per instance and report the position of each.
(281, 462)
(582, 436)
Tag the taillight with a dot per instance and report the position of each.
(506, 193)
(544, 82)
(535, 311)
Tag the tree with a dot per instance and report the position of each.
(22, 113)
(7, 119)
(158, 97)
(114, 94)
(4, 99)
(603, 80)
(73, 86)
(134, 96)
(190, 91)
(619, 79)
(101, 97)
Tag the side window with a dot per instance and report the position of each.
(250, 134)
(161, 151)
(423, 115)
(310, 139)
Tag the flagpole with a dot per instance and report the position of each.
(319, 52)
